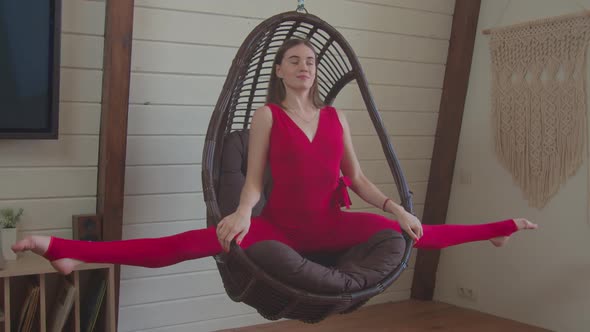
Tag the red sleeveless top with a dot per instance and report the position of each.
(307, 186)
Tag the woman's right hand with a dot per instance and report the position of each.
(235, 224)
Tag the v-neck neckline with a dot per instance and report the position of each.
(313, 139)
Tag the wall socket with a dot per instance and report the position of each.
(464, 176)
(467, 293)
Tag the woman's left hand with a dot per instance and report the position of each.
(409, 223)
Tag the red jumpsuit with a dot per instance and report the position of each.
(303, 210)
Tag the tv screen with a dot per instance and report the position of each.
(29, 68)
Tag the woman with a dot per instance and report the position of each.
(311, 145)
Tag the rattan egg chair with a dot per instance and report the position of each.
(243, 92)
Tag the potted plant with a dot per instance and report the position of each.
(8, 221)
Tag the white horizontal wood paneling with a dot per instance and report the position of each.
(413, 170)
(407, 147)
(418, 211)
(141, 209)
(79, 118)
(164, 150)
(65, 233)
(81, 85)
(156, 289)
(135, 272)
(160, 314)
(403, 73)
(165, 57)
(162, 179)
(80, 17)
(170, 120)
(391, 98)
(81, 51)
(396, 123)
(67, 151)
(338, 13)
(418, 188)
(47, 182)
(43, 214)
(439, 6)
(83, 17)
(397, 47)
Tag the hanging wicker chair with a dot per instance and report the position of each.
(243, 92)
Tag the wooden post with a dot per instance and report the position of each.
(113, 121)
(452, 103)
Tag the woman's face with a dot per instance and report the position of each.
(298, 68)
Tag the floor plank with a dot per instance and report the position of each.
(405, 316)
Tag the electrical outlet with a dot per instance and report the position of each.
(464, 176)
(467, 293)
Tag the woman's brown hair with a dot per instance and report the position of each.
(276, 89)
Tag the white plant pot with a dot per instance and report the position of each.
(8, 238)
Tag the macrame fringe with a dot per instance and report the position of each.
(539, 102)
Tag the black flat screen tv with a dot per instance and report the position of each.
(29, 68)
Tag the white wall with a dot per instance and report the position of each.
(540, 277)
(182, 51)
(55, 179)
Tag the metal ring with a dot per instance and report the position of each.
(301, 6)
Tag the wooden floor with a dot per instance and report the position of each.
(406, 316)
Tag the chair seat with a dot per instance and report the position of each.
(359, 267)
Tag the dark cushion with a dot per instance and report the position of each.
(358, 268)
(234, 165)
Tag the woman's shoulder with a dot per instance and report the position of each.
(263, 114)
(333, 110)
(266, 108)
(337, 116)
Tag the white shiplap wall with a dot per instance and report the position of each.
(55, 179)
(182, 50)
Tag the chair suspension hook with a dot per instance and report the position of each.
(301, 6)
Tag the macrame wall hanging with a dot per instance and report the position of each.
(539, 101)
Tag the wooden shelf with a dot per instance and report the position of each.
(17, 277)
(32, 264)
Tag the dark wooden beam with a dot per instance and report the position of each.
(452, 103)
(113, 121)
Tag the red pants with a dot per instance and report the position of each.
(352, 228)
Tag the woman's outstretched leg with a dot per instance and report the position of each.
(356, 227)
(148, 252)
(442, 236)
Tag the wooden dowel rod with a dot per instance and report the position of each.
(583, 12)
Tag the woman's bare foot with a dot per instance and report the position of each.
(36, 244)
(521, 224)
(65, 265)
(39, 245)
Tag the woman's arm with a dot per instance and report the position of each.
(257, 157)
(238, 223)
(366, 190)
